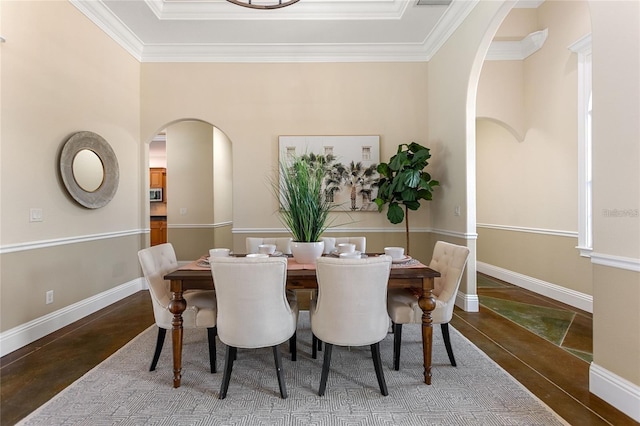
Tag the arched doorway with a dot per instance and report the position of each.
(198, 180)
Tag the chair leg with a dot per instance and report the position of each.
(278, 361)
(328, 347)
(293, 347)
(397, 340)
(314, 346)
(159, 342)
(447, 342)
(211, 334)
(377, 364)
(228, 366)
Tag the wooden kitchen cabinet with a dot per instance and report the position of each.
(157, 177)
(158, 231)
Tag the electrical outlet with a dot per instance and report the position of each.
(456, 211)
(183, 211)
(49, 297)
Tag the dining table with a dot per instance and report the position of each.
(196, 275)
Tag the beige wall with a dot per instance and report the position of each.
(616, 177)
(534, 179)
(199, 182)
(289, 99)
(60, 75)
(222, 178)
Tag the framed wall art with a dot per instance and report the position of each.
(351, 179)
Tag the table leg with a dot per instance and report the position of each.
(427, 303)
(177, 305)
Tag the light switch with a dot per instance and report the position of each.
(35, 215)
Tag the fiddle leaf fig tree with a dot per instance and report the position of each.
(403, 181)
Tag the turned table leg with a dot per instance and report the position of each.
(177, 305)
(427, 303)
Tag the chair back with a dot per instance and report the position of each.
(156, 262)
(253, 310)
(351, 307)
(331, 243)
(450, 260)
(283, 244)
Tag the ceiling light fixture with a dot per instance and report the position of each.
(263, 4)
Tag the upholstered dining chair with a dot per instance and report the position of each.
(402, 304)
(254, 310)
(156, 262)
(350, 309)
(331, 243)
(283, 244)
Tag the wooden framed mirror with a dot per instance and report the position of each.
(89, 169)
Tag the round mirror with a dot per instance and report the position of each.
(88, 170)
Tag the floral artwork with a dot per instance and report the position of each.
(350, 163)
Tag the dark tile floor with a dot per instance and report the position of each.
(550, 363)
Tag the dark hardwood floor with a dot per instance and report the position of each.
(34, 374)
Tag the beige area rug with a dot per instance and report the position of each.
(121, 390)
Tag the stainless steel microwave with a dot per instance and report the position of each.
(155, 195)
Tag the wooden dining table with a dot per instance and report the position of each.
(301, 276)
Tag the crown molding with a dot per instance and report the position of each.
(517, 50)
(448, 23)
(99, 14)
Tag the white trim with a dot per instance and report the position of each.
(423, 51)
(615, 390)
(570, 297)
(198, 225)
(582, 48)
(517, 50)
(627, 263)
(555, 232)
(33, 330)
(455, 234)
(467, 302)
(346, 230)
(33, 245)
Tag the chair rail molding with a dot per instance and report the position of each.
(34, 245)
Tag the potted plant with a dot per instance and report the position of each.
(304, 208)
(404, 181)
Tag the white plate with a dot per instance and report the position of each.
(276, 254)
(403, 260)
(335, 253)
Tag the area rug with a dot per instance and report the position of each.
(121, 390)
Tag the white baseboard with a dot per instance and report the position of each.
(467, 302)
(619, 392)
(561, 294)
(31, 331)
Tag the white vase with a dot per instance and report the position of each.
(307, 252)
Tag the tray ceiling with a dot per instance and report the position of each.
(308, 31)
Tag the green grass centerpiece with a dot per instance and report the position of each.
(304, 208)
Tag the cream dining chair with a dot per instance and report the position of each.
(350, 309)
(156, 262)
(402, 304)
(331, 243)
(254, 310)
(283, 244)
